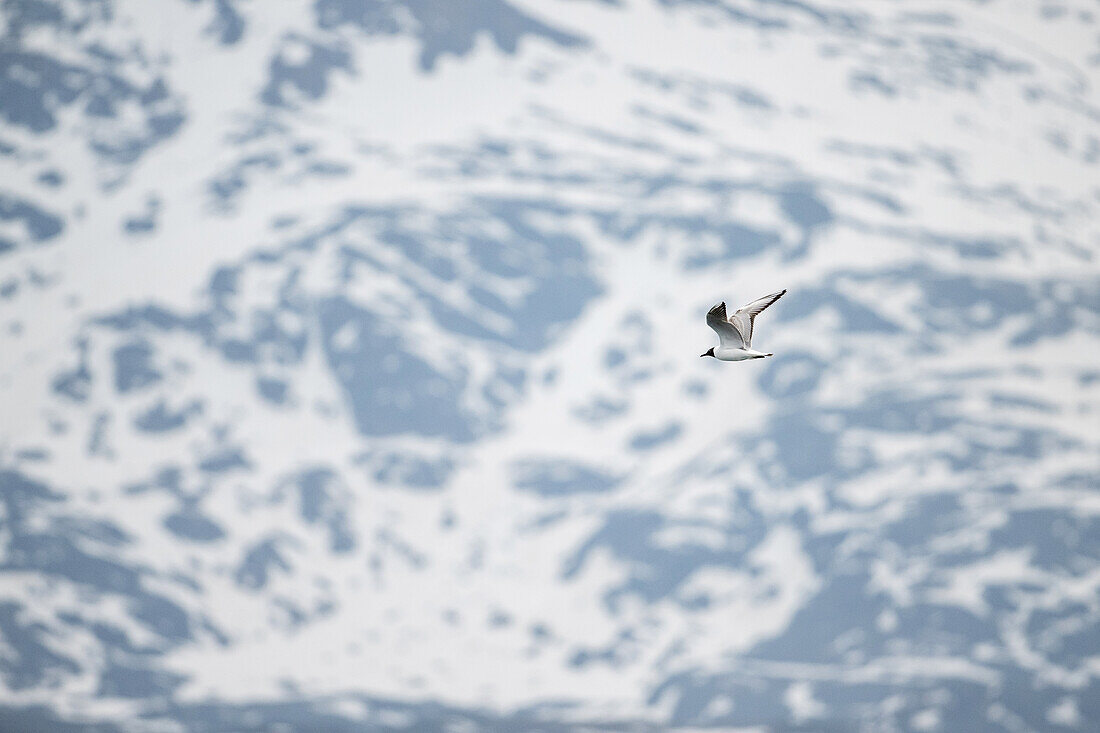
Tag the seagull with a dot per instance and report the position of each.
(735, 332)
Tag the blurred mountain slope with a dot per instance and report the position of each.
(350, 365)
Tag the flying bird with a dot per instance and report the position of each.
(735, 332)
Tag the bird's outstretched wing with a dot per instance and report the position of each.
(745, 316)
(728, 334)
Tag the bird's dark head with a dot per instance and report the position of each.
(710, 352)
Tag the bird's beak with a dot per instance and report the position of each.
(701, 355)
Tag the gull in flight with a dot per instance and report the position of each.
(735, 332)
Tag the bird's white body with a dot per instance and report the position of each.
(735, 332)
(733, 354)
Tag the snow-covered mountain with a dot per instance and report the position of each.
(349, 371)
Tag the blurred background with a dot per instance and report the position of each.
(350, 376)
